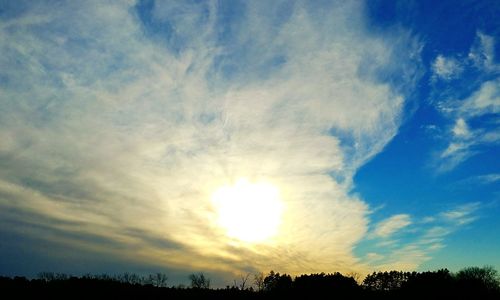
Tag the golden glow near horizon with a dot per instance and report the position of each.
(249, 212)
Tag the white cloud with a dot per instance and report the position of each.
(474, 181)
(428, 219)
(446, 68)
(113, 128)
(462, 215)
(463, 110)
(482, 53)
(392, 225)
(486, 100)
(372, 256)
(459, 149)
(488, 178)
(463, 140)
(406, 258)
(388, 243)
(436, 232)
(461, 129)
(427, 236)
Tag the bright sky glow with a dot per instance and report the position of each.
(250, 212)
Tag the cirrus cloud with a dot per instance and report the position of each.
(125, 118)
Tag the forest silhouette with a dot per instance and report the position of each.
(468, 283)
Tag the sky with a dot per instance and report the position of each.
(235, 137)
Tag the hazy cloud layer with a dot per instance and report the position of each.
(118, 123)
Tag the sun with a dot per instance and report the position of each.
(249, 212)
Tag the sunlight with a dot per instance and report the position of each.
(249, 212)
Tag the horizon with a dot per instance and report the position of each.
(231, 137)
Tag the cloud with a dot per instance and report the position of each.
(391, 225)
(483, 179)
(467, 101)
(420, 241)
(465, 141)
(446, 68)
(461, 129)
(461, 215)
(473, 182)
(459, 149)
(482, 53)
(428, 219)
(406, 258)
(472, 107)
(126, 118)
(372, 256)
(486, 100)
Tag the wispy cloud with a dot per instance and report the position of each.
(391, 225)
(469, 105)
(482, 53)
(125, 120)
(461, 215)
(423, 237)
(479, 180)
(446, 68)
(464, 141)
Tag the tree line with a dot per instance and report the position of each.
(468, 283)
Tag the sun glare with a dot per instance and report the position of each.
(249, 212)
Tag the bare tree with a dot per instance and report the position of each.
(158, 280)
(258, 280)
(46, 276)
(199, 281)
(130, 278)
(241, 284)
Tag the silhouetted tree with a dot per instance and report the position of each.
(284, 282)
(158, 280)
(241, 283)
(277, 282)
(326, 283)
(199, 281)
(469, 283)
(46, 276)
(484, 280)
(425, 284)
(385, 281)
(130, 278)
(354, 275)
(258, 280)
(270, 281)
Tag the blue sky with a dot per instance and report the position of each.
(408, 175)
(375, 123)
